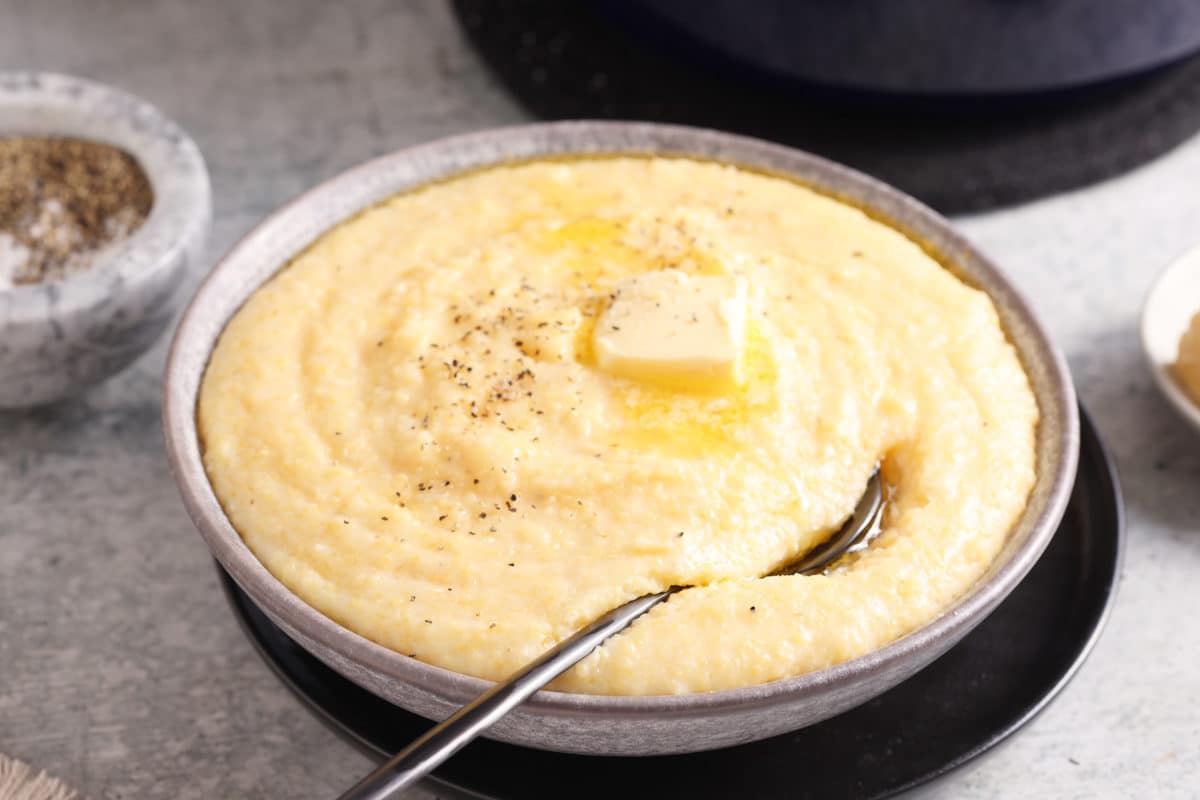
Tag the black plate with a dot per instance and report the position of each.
(968, 701)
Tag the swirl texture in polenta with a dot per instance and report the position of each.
(408, 427)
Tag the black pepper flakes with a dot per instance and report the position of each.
(63, 200)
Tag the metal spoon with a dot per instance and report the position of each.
(424, 755)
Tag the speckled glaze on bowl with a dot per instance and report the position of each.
(57, 338)
(604, 724)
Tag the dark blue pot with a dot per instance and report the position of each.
(930, 47)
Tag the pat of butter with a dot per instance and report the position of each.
(675, 329)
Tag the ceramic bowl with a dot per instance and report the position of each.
(58, 338)
(1172, 302)
(603, 724)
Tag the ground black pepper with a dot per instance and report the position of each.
(61, 201)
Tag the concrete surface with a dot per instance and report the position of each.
(121, 669)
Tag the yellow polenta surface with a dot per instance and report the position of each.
(407, 427)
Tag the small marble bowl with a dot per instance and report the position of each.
(57, 338)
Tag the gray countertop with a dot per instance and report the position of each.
(122, 670)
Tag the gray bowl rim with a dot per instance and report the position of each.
(182, 211)
(1058, 448)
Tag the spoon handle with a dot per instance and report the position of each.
(442, 741)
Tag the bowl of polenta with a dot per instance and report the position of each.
(449, 407)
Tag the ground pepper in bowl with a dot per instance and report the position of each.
(62, 202)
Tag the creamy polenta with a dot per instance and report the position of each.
(410, 427)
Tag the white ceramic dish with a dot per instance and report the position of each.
(1172, 302)
(58, 338)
